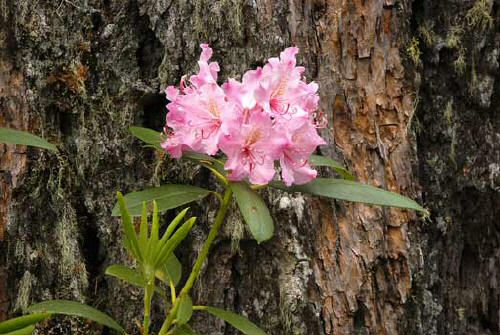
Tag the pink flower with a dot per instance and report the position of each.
(302, 139)
(208, 71)
(282, 92)
(196, 115)
(197, 120)
(266, 117)
(251, 149)
(243, 94)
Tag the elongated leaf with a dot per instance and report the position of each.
(165, 253)
(171, 271)
(206, 161)
(237, 321)
(254, 210)
(126, 274)
(174, 269)
(196, 156)
(130, 236)
(66, 307)
(143, 229)
(352, 191)
(184, 330)
(167, 197)
(155, 232)
(148, 136)
(175, 262)
(22, 322)
(336, 166)
(185, 310)
(130, 276)
(151, 245)
(12, 136)
(23, 331)
(171, 227)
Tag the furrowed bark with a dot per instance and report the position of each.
(404, 114)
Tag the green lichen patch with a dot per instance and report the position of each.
(427, 34)
(479, 16)
(413, 51)
(454, 37)
(459, 64)
(448, 112)
(237, 233)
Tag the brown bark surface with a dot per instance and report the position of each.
(81, 72)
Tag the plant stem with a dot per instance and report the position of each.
(148, 296)
(172, 292)
(219, 219)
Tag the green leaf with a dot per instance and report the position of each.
(185, 310)
(254, 210)
(143, 229)
(171, 227)
(148, 136)
(126, 274)
(352, 191)
(174, 269)
(171, 271)
(73, 308)
(131, 241)
(184, 330)
(23, 331)
(22, 322)
(207, 161)
(237, 321)
(130, 276)
(155, 232)
(165, 253)
(336, 166)
(167, 197)
(196, 156)
(12, 136)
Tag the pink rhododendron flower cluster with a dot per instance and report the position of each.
(269, 116)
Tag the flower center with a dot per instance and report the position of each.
(252, 157)
(281, 88)
(211, 129)
(279, 106)
(212, 108)
(246, 115)
(253, 137)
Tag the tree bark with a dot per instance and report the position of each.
(410, 90)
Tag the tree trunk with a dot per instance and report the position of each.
(411, 93)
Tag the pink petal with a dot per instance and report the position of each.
(262, 174)
(172, 93)
(206, 53)
(296, 174)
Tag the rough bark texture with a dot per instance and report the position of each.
(458, 121)
(411, 93)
